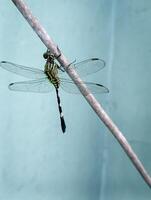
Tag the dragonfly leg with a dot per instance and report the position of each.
(71, 64)
(61, 68)
(59, 53)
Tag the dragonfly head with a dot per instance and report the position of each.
(49, 56)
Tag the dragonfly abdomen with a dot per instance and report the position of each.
(63, 125)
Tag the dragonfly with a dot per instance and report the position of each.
(52, 77)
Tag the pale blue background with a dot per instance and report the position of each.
(38, 162)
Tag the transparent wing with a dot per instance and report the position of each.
(69, 86)
(39, 85)
(89, 66)
(27, 72)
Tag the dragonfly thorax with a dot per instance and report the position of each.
(51, 70)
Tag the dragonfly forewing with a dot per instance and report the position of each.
(89, 66)
(24, 71)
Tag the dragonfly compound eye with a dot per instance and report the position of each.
(45, 55)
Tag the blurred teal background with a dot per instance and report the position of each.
(38, 162)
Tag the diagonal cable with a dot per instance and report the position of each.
(49, 43)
